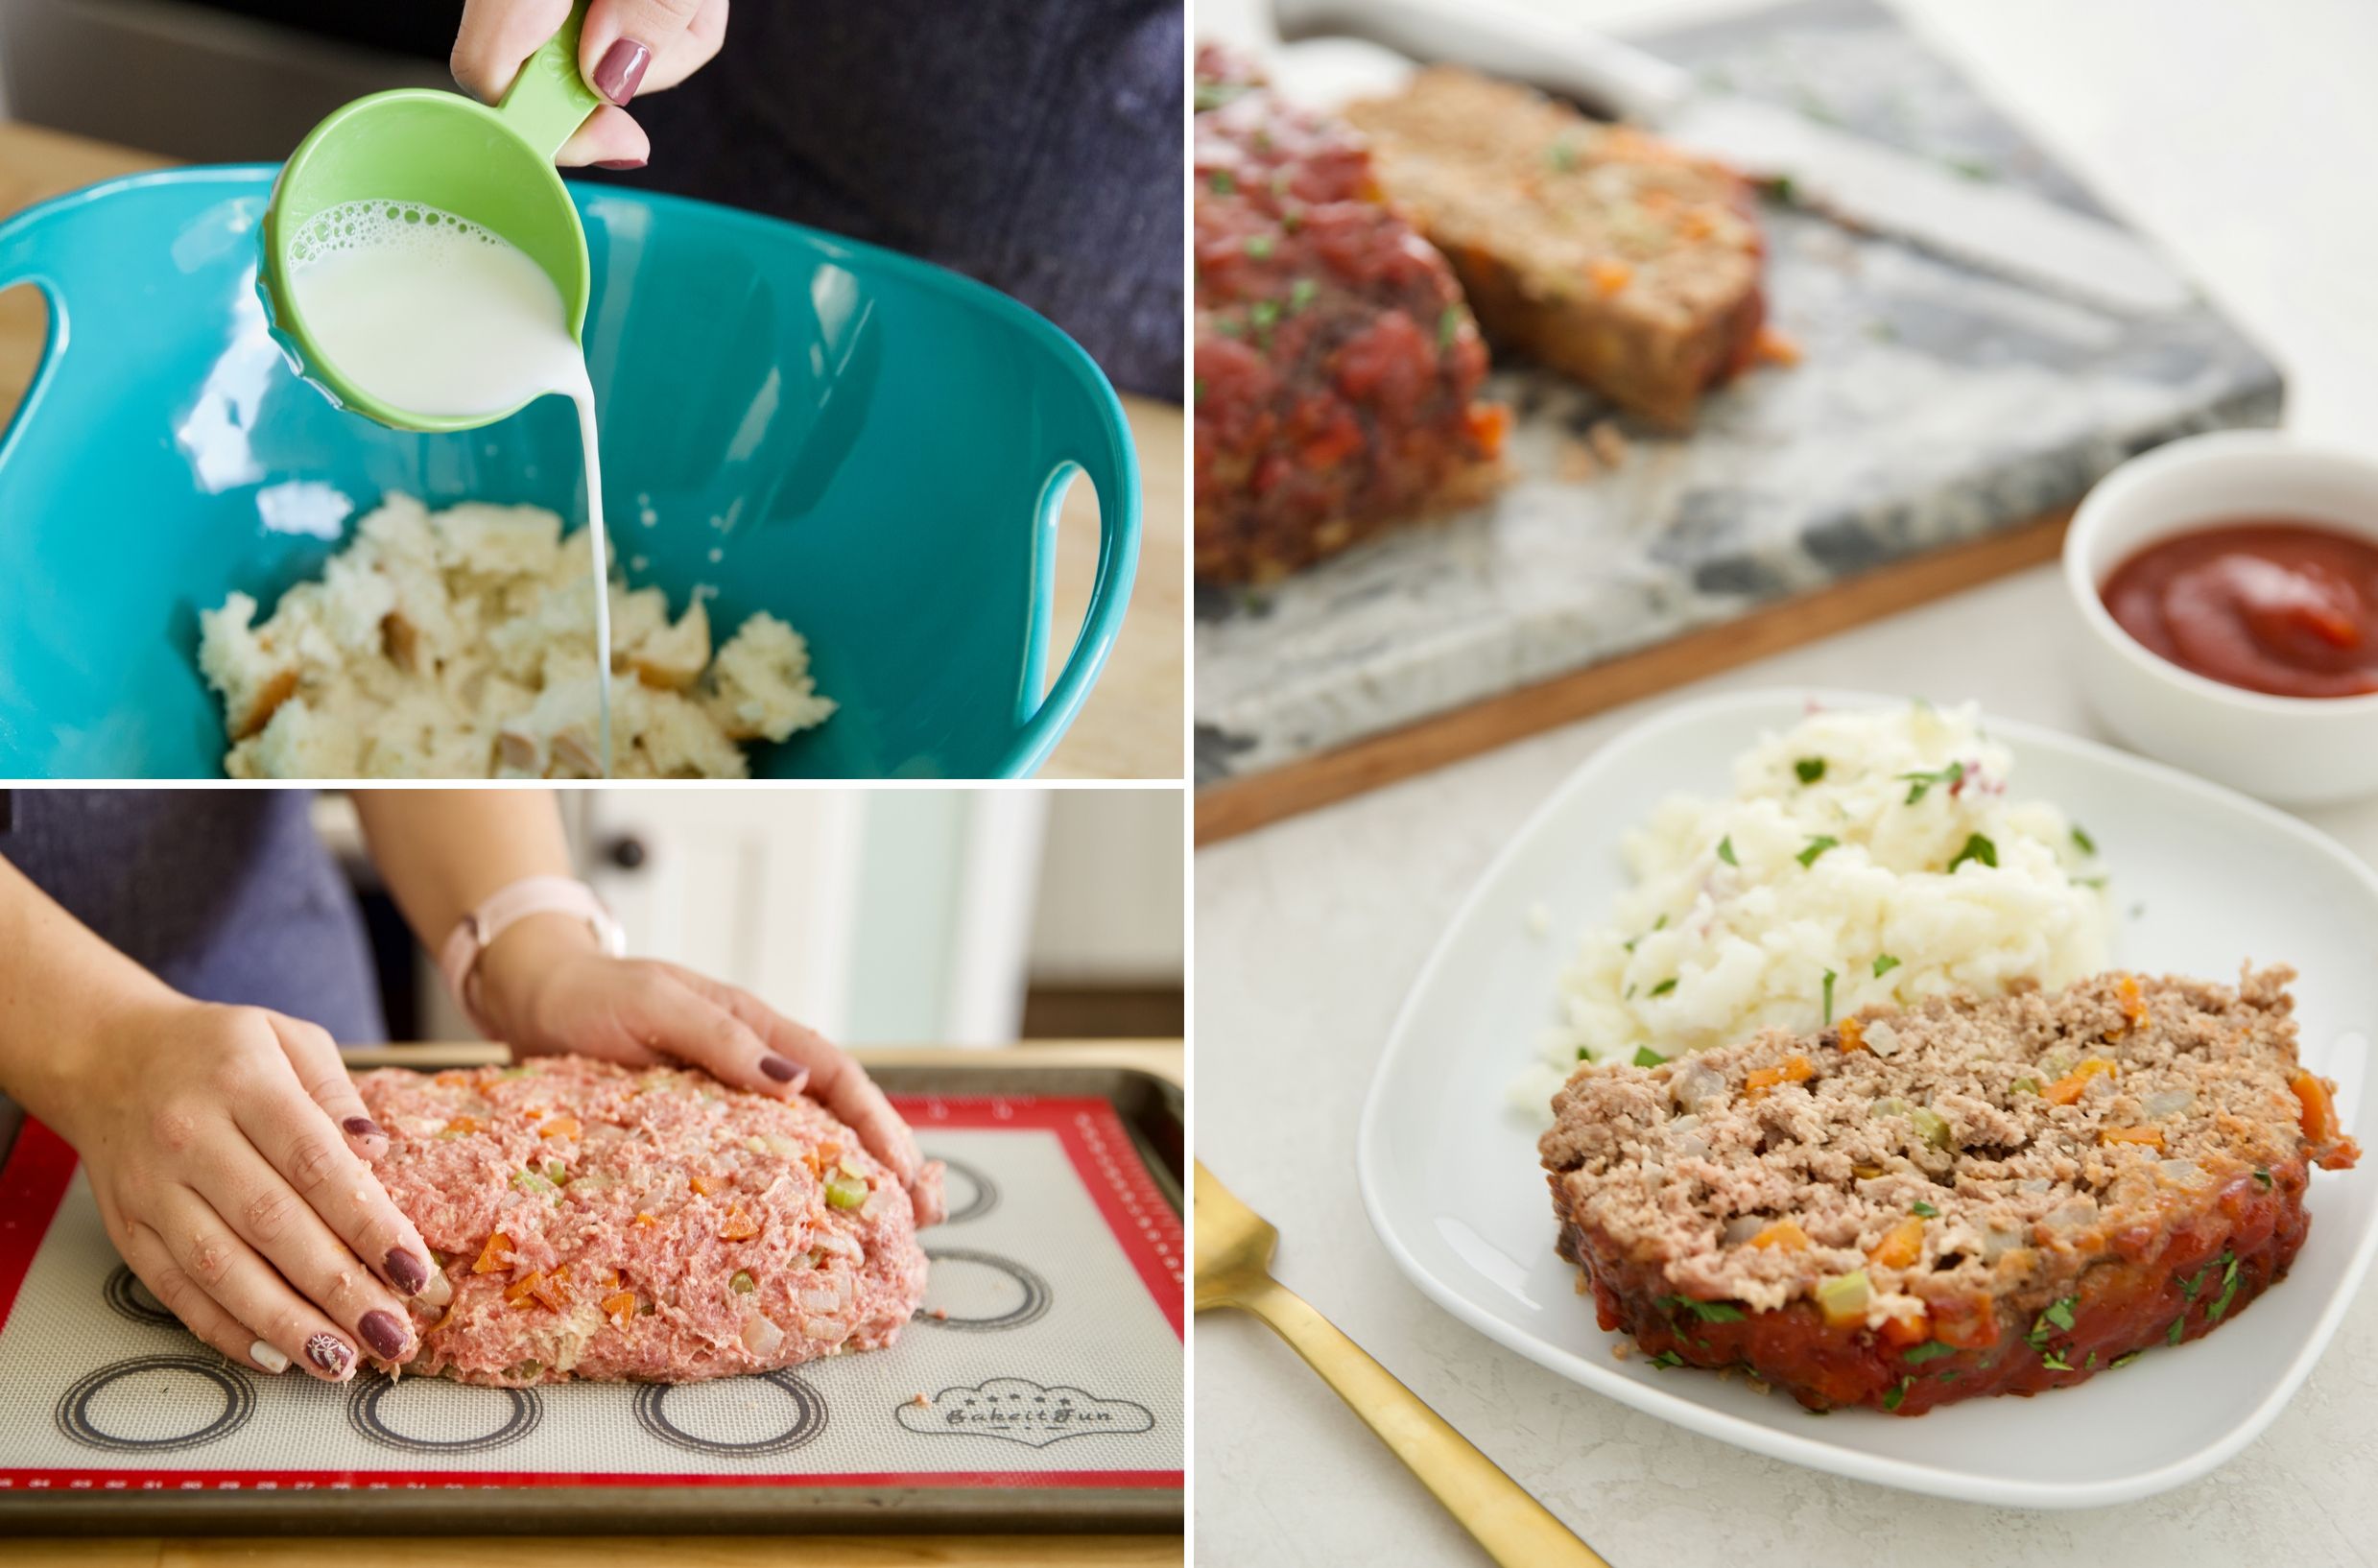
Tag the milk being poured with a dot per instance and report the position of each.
(436, 316)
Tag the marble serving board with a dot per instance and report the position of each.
(1933, 406)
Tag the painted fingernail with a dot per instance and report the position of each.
(382, 1333)
(362, 1127)
(621, 70)
(619, 163)
(405, 1272)
(779, 1069)
(268, 1357)
(330, 1353)
(438, 1291)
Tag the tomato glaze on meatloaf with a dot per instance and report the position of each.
(1967, 1198)
(651, 1225)
(1337, 366)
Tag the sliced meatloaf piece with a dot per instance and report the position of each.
(1337, 368)
(1969, 1198)
(602, 1224)
(1604, 252)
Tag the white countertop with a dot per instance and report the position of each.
(2223, 135)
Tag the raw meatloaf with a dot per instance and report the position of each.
(1969, 1198)
(1336, 367)
(653, 1225)
(1606, 253)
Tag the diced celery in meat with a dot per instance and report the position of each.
(743, 1283)
(529, 1181)
(1842, 1297)
(845, 1191)
(525, 1369)
(1929, 1125)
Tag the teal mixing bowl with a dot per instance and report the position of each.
(869, 446)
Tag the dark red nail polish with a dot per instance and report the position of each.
(362, 1127)
(382, 1333)
(409, 1272)
(779, 1069)
(329, 1353)
(621, 70)
(619, 163)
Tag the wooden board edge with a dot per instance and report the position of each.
(1238, 806)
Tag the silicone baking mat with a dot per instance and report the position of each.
(1043, 1375)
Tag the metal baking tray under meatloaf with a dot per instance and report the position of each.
(1970, 1197)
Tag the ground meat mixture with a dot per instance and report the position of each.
(1606, 253)
(1969, 1198)
(1337, 366)
(654, 1226)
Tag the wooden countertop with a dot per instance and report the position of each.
(1164, 1058)
(1133, 724)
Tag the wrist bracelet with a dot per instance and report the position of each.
(507, 907)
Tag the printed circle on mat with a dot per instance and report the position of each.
(154, 1403)
(969, 1192)
(433, 1416)
(128, 1298)
(723, 1416)
(982, 1291)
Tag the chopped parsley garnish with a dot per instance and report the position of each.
(1725, 851)
(1448, 326)
(2178, 1325)
(2058, 1316)
(1779, 188)
(1923, 1210)
(1582, 1052)
(2190, 1286)
(1884, 965)
(2122, 1360)
(1921, 785)
(2229, 1290)
(1665, 986)
(1929, 1350)
(1223, 182)
(1817, 846)
(1830, 977)
(1301, 292)
(1891, 1400)
(1645, 1057)
(2262, 1180)
(1976, 848)
(2090, 1365)
(1266, 315)
(1810, 769)
(1668, 1358)
(2055, 1362)
(1708, 1312)
(1260, 247)
(2080, 837)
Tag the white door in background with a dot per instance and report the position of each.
(754, 887)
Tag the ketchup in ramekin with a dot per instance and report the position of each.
(2280, 605)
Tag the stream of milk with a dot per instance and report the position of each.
(433, 315)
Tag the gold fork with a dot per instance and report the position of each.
(1234, 1247)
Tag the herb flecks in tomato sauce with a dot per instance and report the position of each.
(2283, 607)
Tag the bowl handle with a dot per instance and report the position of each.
(27, 256)
(1100, 450)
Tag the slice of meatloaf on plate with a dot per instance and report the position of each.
(1604, 252)
(653, 1225)
(1968, 1197)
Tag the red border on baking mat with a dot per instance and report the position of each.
(34, 1184)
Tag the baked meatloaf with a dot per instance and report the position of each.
(656, 1225)
(1604, 252)
(1969, 1198)
(1336, 368)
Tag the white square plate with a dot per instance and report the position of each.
(2203, 879)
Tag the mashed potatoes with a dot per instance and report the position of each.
(1865, 859)
(462, 645)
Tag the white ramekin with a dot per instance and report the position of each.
(2290, 751)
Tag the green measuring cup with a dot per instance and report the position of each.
(492, 167)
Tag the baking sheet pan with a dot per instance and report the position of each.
(1050, 1398)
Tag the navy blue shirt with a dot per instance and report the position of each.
(226, 895)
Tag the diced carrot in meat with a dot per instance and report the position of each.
(705, 1185)
(561, 1127)
(533, 1112)
(1901, 1245)
(645, 1221)
(2067, 1089)
(2318, 1111)
(548, 1290)
(517, 1291)
(1609, 276)
(491, 1256)
(2150, 1135)
(1914, 1328)
(1853, 1034)
(1967, 1324)
(738, 1226)
(465, 1123)
(2134, 1005)
(1784, 1233)
(1759, 1079)
(620, 1308)
(1489, 423)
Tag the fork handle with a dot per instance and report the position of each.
(1517, 1531)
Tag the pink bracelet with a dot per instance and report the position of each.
(476, 932)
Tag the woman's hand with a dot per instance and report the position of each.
(544, 987)
(629, 47)
(227, 1147)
